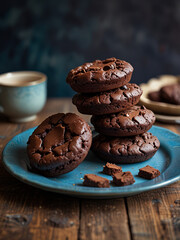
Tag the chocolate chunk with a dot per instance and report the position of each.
(100, 75)
(124, 87)
(92, 180)
(148, 172)
(143, 107)
(111, 169)
(123, 178)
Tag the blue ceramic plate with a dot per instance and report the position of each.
(166, 160)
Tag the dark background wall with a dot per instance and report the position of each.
(54, 36)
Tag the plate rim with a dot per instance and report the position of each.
(84, 192)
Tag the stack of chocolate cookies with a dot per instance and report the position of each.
(105, 93)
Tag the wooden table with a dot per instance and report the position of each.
(30, 213)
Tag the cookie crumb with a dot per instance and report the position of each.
(148, 172)
(92, 180)
(123, 178)
(111, 169)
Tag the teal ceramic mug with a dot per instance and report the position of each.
(22, 95)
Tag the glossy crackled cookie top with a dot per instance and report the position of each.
(132, 121)
(59, 139)
(100, 75)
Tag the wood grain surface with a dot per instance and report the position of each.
(29, 213)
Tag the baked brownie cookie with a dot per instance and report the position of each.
(100, 75)
(155, 96)
(59, 144)
(125, 150)
(133, 121)
(123, 178)
(111, 169)
(171, 94)
(148, 172)
(92, 180)
(111, 101)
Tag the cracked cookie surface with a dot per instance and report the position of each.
(111, 101)
(59, 144)
(133, 121)
(125, 150)
(100, 75)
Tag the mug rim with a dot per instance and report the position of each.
(42, 78)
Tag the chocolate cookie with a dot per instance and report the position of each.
(59, 144)
(111, 101)
(100, 75)
(171, 94)
(133, 121)
(125, 150)
(155, 96)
